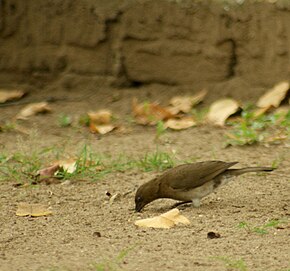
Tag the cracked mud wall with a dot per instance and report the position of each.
(139, 42)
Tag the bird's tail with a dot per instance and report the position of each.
(239, 171)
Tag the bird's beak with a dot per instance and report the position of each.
(138, 207)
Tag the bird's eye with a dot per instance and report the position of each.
(139, 199)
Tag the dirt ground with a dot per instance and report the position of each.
(85, 230)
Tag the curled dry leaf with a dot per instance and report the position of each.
(8, 95)
(185, 103)
(27, 209)
(220, 110)
(150, 113)
(49, 171)
(69, 165)
(165, 221)
(180, 124)
(100, 117)
(274, 96)
(101, 128)
(33, 109)
(100, 122)
(261, 111)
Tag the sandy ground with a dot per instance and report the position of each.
(86, 231)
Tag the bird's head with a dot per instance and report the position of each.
(145, 194)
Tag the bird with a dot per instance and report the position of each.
(190, 182)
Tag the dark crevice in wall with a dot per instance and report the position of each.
(233, 59)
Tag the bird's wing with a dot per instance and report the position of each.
(189, 176)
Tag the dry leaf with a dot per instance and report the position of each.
(49, 171)
(185, 103)
(33, 109)
(261, 111)
(101, 129)
(100, 117)
(100, 122)
(69, 166)
(8, 95)
(180, 124)
(275, 95)
(220, 110)
(27, 209)
(165, 221)
(150, 113)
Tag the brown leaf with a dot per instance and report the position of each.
(220, 110)
(33, 109)
(275, 95)
(101, 129)
(150, 113)
(165, 221)
(27, 209)
(8, 95)
(100, 117)
(69, 165)
(100, 122)
(180, 124)
(49, 171)
(185, 103)
(261, 111)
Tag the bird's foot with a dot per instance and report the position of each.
(180, 203)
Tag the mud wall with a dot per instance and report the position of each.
(138, 42)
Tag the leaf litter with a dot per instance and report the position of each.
(32, 209)
(100, 122)
(164, 221)
(221, 110)
(8, 95)
(33, 109)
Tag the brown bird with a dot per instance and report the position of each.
(189, 182)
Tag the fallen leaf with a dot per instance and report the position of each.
(49, 171)
(27, 209)
(180, 124)
(100, 122)
(101, 128)
(165, 221)
(8, 95)
(33, 109)
(220, 110)
(150, 113)
(275, 95)
(69, 165)
(261, 111)
(185, 103)
(100, 117)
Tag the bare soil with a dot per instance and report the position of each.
(86, 230)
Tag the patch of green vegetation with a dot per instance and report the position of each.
(23, 166)
(251, 129)
(155, 161)
(113, 264)
(64, 120)
(7, 126)
(263, 229)
(233, 264)
(160, 129)
(199, 115)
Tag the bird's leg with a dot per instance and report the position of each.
(196, 202)
(181, 203)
